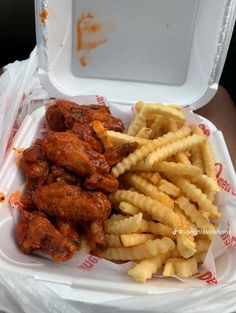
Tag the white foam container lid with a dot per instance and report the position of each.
(170, 51)
(167, 51)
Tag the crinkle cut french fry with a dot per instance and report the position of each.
(156, 126)
(181, 267)
(207, 154)
(169, 188)
(161, 109)
(206, 182)
(116, 217)
(186, 268)
(140, 104)
(192, 227)
(140, 153)
(172, 124)
(188, 154)
(101, 133)
(185, 244)
(196, 158)
(138, 122)
(196, 217)
(200, 256)
(146, 250)
(148, 189)
(130, 240)
(182, 158)
(195, 194)
(169, 268)
(202, 245)
(154, 178)
(205, 214)
(208, 160)
(160, 213)
(155, 228)
(144, 132)
(179, 157)
(156, 209)
(196, 130)
(173, 148)
(125, 226)
(178, 169)
(211, 195)
(118, 138)
(113, 240)
(175, 253)
(128, 208)
(185, 238)
(144, 270)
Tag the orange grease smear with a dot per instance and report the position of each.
(43, 16)
(83, 61)
(2, 197)
(15, 200)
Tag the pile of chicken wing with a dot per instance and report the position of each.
(68, 181)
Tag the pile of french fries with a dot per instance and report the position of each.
(165, 203)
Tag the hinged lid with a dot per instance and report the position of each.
(166, 51)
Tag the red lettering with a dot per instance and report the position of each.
(92, 259)
(233, 241)
(205, 276)
(212, 281)
(224, 236)
(228, 242)
(208, 277)
(89, 263)
(220, 166)
(205, 129)
(220, 182)
(223, 183)
(100, 100)
(86, 265)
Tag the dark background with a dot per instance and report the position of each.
(17, 39)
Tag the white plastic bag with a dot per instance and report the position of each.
(20, 294)
(17, 85)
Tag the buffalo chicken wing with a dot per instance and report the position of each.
(71, 203)
(36, 169)
(66, 149)
(61, 115)
(34, 232)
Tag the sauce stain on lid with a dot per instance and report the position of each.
(43, 15)
(91, 34)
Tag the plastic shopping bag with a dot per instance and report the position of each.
(17, 85)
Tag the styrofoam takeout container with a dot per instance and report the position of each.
(158, 51)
